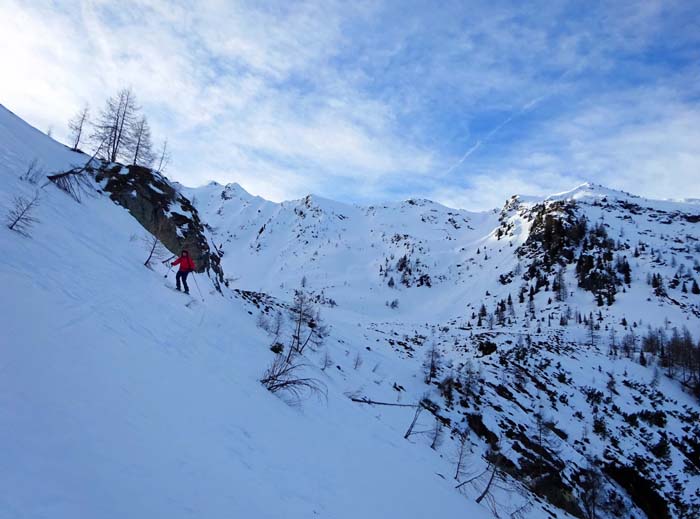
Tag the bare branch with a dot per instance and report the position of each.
(463, 437)
(409, 431)
(77, 125)
(164, 158)
(33, 173)
(156, 250)
(141, 139)
(283, 375)
(113, 127)
(19, 218)
(75, 182)
(365, 400)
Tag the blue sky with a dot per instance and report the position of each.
(463, 102)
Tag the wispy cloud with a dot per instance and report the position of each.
(478, 144)
(365, 101)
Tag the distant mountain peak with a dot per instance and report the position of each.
(590, 190)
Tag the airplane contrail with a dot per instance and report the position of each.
(465, 156)
(525, 108)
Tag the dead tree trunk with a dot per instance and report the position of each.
(413, 423)
(437, 434)
(365, 400)
(494, 471)
(154, 244)
(461, 455)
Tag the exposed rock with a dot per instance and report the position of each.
(162, 210)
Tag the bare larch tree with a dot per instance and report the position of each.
(114, 125)
(19, 218)
(432, 362)
(462, 452)
(163, 157)
(308, 330)
(76, 126)
(141, 141)
(285, 372)
(156, 250)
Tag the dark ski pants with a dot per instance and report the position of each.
(182, 276)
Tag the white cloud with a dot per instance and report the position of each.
(642, 140)
(218, 78)
(490, 191)
(371, 100)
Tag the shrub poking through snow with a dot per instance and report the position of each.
(19, 218)
(285, 373)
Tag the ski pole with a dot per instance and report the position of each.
(197, 285)
(168, 272)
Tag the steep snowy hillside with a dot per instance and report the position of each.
(360, 257)
(536, 361)
(363, 258)
(122, 398)
(566, 327)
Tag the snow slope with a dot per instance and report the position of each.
(350, 253)
(120, 400)
(125, 398)
(539, 361)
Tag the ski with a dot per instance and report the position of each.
(191, 301)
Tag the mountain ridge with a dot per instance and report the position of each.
(552, 343)
(586, 190)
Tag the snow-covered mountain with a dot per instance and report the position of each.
(362, 257)
(540, 360)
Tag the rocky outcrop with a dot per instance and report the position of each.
(162, 210)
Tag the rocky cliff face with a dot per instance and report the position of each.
(163, 211)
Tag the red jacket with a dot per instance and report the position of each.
(185, 262)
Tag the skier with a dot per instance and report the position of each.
(186, 266)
